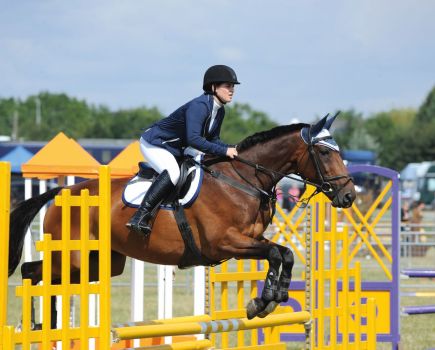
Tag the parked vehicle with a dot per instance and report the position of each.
(418, 182)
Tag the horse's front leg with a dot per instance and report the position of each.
(268, 302)
(286, 273)
(244, 247)
(275, 289)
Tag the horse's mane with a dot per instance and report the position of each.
(267, 135)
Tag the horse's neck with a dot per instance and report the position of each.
(279, 155)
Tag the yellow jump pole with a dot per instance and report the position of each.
(5, 200)
(104, 209)
(208, 327)
(186, 345)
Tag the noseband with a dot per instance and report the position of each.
(325, 184)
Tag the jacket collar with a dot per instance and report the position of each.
(219, 114)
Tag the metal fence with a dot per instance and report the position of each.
(417, 241)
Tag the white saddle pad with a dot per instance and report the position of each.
(137, 187)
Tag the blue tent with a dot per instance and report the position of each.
(18, 156)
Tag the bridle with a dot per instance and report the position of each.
(324, 185)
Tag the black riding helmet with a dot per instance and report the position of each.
(218, 74)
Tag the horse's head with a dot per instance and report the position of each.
(322, 166)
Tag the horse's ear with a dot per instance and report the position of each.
(319, 126)
(330, 120)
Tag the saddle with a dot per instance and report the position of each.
(186, 191)
(187, 172)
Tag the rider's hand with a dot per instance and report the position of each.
(231, 152)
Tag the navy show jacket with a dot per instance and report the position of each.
(188, 126)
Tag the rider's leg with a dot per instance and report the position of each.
(164, 163)
(160, 188)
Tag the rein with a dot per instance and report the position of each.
(252, 190)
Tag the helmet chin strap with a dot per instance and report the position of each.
(215, 94)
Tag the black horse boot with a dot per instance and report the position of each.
(159, 189)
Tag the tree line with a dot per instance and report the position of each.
(398, 136)
(42, 116)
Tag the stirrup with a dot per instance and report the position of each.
(140, 223)
(143, 227)
(140, 228)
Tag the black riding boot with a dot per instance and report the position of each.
(159, 189)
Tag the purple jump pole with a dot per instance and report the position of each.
(416, 310)
(422, 273)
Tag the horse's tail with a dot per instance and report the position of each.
(20, 220)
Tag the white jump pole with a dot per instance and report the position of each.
(28, 237)
(70, 180)
(42, 189)
(165, 284)
(137, 293)
(199, 290)
(93, 317)
(199, 294)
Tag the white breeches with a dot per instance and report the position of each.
(160, 159)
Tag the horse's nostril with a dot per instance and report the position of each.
(348, 198)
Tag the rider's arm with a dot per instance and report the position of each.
(196, 117)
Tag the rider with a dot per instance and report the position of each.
(196, 124)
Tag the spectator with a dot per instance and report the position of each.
(279, 196)
(294, 193)
(404, 212)
(417, 212)
(416, 220)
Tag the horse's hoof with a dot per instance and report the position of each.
(269, 309)
(282, 297)
(254, 307)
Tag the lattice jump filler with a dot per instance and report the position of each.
(65, 289)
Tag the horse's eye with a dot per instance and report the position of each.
(324, 151)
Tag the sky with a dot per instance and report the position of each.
(295, 59)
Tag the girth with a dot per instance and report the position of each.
(191, 256)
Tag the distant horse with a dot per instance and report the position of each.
(227, 219)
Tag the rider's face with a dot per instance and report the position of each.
(225, 91)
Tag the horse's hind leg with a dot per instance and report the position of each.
(117, 267)
(33, 271)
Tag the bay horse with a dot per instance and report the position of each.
(226, 221)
